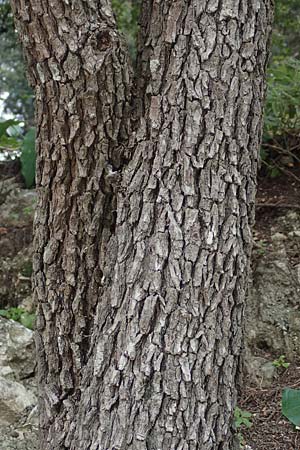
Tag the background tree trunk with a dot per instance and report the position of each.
(141, 276)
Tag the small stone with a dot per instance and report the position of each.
(14, 434)
(28, 304)
(278, 237)
(283, 266)
(292, 216)
(261, 370)
(268, 372)
(18, 208)
(17, 351)
(14, 399)
(294, 234)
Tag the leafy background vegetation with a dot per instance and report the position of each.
(14, 90)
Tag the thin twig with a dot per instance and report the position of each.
(284, 151)
(287, 172)
(277, 205)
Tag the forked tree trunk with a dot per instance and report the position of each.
(143, 227)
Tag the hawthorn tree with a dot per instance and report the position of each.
(146, 191)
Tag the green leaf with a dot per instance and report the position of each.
(27, 320)
(28, 158)
(282, 106)
(19, 315)
(281, 362)
(241, 418)
(15, 313)
(6, 124)
(274, 172)
(9, 143)
(4, 313)
(291, 405)
(246, 414)
(12, 313)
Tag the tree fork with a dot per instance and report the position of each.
(140, 321)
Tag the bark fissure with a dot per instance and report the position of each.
(79, 67)
(151, 272)
(143, 236)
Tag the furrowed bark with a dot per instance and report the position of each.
(166, 359)
(140, 318)
(79, 68)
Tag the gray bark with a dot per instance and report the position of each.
(143, 244)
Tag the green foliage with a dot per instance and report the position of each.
(28, 320)
(282, 116)
(127, 13)
(8, 138)
(261, 246)
(281, 362)
(286, 32)
(5, 125)
(241, 420)
(290, 405)
(14, 90)
(27, 269)
(11, 138)
(282, 111)
(28, 211)
(28, 158)
(19, 315)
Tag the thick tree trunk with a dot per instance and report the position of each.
(141, 275)
(79, 68)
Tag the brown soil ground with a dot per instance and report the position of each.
(275, 196)
(270, 430)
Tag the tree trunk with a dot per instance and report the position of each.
(143, 244)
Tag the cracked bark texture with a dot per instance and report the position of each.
(141, 281)
(79, 68)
